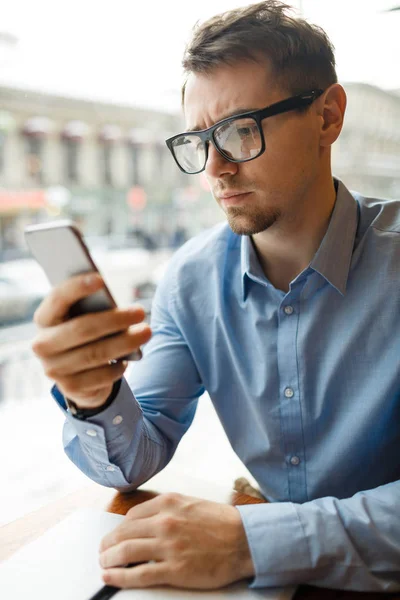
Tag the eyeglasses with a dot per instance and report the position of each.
(238, 139)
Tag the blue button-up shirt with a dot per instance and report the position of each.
(306, 384)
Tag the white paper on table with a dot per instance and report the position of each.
(63, 564)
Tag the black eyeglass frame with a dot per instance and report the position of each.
(207, 135)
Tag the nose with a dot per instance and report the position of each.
(217, 165)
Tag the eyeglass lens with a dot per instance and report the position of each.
(190, 152)
(239, 140)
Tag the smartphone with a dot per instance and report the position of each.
(60, 250)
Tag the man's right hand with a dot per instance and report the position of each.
(76, 352)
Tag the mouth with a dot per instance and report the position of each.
(234, 198)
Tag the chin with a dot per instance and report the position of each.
(243, 224)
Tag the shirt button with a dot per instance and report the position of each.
(91, 432)
(117, 420)
(295, 461)
(289, 393)
(288, 310)
(110, 468)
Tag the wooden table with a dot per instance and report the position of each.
(14, 535)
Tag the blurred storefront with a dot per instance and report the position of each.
(103, 165)
(107, 167)
(17, 210)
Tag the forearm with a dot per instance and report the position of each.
(136, 435)
(349, 544)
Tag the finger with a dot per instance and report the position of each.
(86, 385)
(55, 307)
(140, 576)
(130, 551)
(128, 529)
(96, 354)
(84, 329)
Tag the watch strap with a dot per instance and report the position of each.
(85, 413)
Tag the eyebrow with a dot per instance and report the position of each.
(234, 113)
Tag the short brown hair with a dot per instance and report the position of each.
(301, 55)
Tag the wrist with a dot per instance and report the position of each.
(85, 413)
(245, 565)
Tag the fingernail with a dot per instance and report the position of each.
(106, 576)
(91, 279)
(134, 309)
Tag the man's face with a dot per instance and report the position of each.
(271, 189)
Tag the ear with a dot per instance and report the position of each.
(331, 109)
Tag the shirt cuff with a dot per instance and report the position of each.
(277, 543)
(115, 420)
(105, 438)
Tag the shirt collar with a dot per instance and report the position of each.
(332, 259)
(250, 265)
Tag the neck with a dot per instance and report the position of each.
(287, 248)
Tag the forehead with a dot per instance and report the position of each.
(227, 90)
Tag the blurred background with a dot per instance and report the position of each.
(88, 94)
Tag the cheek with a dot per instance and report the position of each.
(291, 144)
(277, 161)
(281, 168)
(293, 155)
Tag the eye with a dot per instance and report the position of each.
(199, 146)
(244, 131)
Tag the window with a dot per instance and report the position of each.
(106, 151)
(34, 158)
(111, 78)
(35, 131)
(7, 126)
(73, 135)
(109, 136)
(3, 138)
(160, 155)
(134, 170)
(71, 149)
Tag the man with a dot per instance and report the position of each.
(288, 316)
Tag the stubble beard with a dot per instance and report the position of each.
(243, 221)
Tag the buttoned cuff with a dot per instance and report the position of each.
(114, 419)
(277, 543)
(106, 438)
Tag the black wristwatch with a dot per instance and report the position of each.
(84, 413)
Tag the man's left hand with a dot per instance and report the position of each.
(181, 541)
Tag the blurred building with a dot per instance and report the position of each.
(367, 154)
(103, 165)
(107, 167)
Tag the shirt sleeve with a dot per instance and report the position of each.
(352, 543)
(137, 435)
